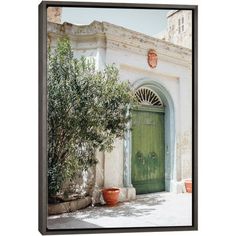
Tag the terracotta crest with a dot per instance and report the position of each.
(152, 58)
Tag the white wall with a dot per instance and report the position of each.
(113, 166)
(177, 80)
(18, 98)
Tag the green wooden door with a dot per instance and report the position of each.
(148, 155)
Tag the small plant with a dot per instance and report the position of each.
(87, 110)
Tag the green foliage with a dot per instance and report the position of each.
(87, 110)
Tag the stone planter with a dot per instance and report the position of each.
(111, 196)
(188, 186)
(71, 206)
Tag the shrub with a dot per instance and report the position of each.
(87, 110)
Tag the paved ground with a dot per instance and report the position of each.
(158, 209)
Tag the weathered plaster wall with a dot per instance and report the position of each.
(184, 139)
(113, 166)
(54, 14)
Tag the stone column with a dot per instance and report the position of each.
(128, 192)
(127, 159)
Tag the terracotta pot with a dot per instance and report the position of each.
(188, 186)
(111, 196)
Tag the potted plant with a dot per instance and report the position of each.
(188, 185)
(111, 196)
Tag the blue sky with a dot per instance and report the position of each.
(146, 21)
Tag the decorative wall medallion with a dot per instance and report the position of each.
(152, 58)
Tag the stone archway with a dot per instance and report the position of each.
(170, 162)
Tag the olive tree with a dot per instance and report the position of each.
(87, 111)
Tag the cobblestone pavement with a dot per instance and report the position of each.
(148, 210)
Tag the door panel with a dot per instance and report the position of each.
(148, 156)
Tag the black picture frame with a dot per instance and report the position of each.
(42, 118)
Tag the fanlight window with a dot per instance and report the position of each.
(146, 96)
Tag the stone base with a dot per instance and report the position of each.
(65, 207)
(177, 186)
(127, 194)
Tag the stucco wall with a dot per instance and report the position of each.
(113, 166)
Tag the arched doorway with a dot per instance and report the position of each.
(169, 135)
(148, 143)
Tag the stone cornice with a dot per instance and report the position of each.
(118, 37)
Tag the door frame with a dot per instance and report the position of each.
(170, 137)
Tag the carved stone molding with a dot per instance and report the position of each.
(117, 37)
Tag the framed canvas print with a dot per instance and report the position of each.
(117, 117)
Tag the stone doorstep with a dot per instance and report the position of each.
(71, 206)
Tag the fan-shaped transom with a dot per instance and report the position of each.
(146, 96)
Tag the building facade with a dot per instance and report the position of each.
(54, 14)
(179, 28)
(156, 153)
